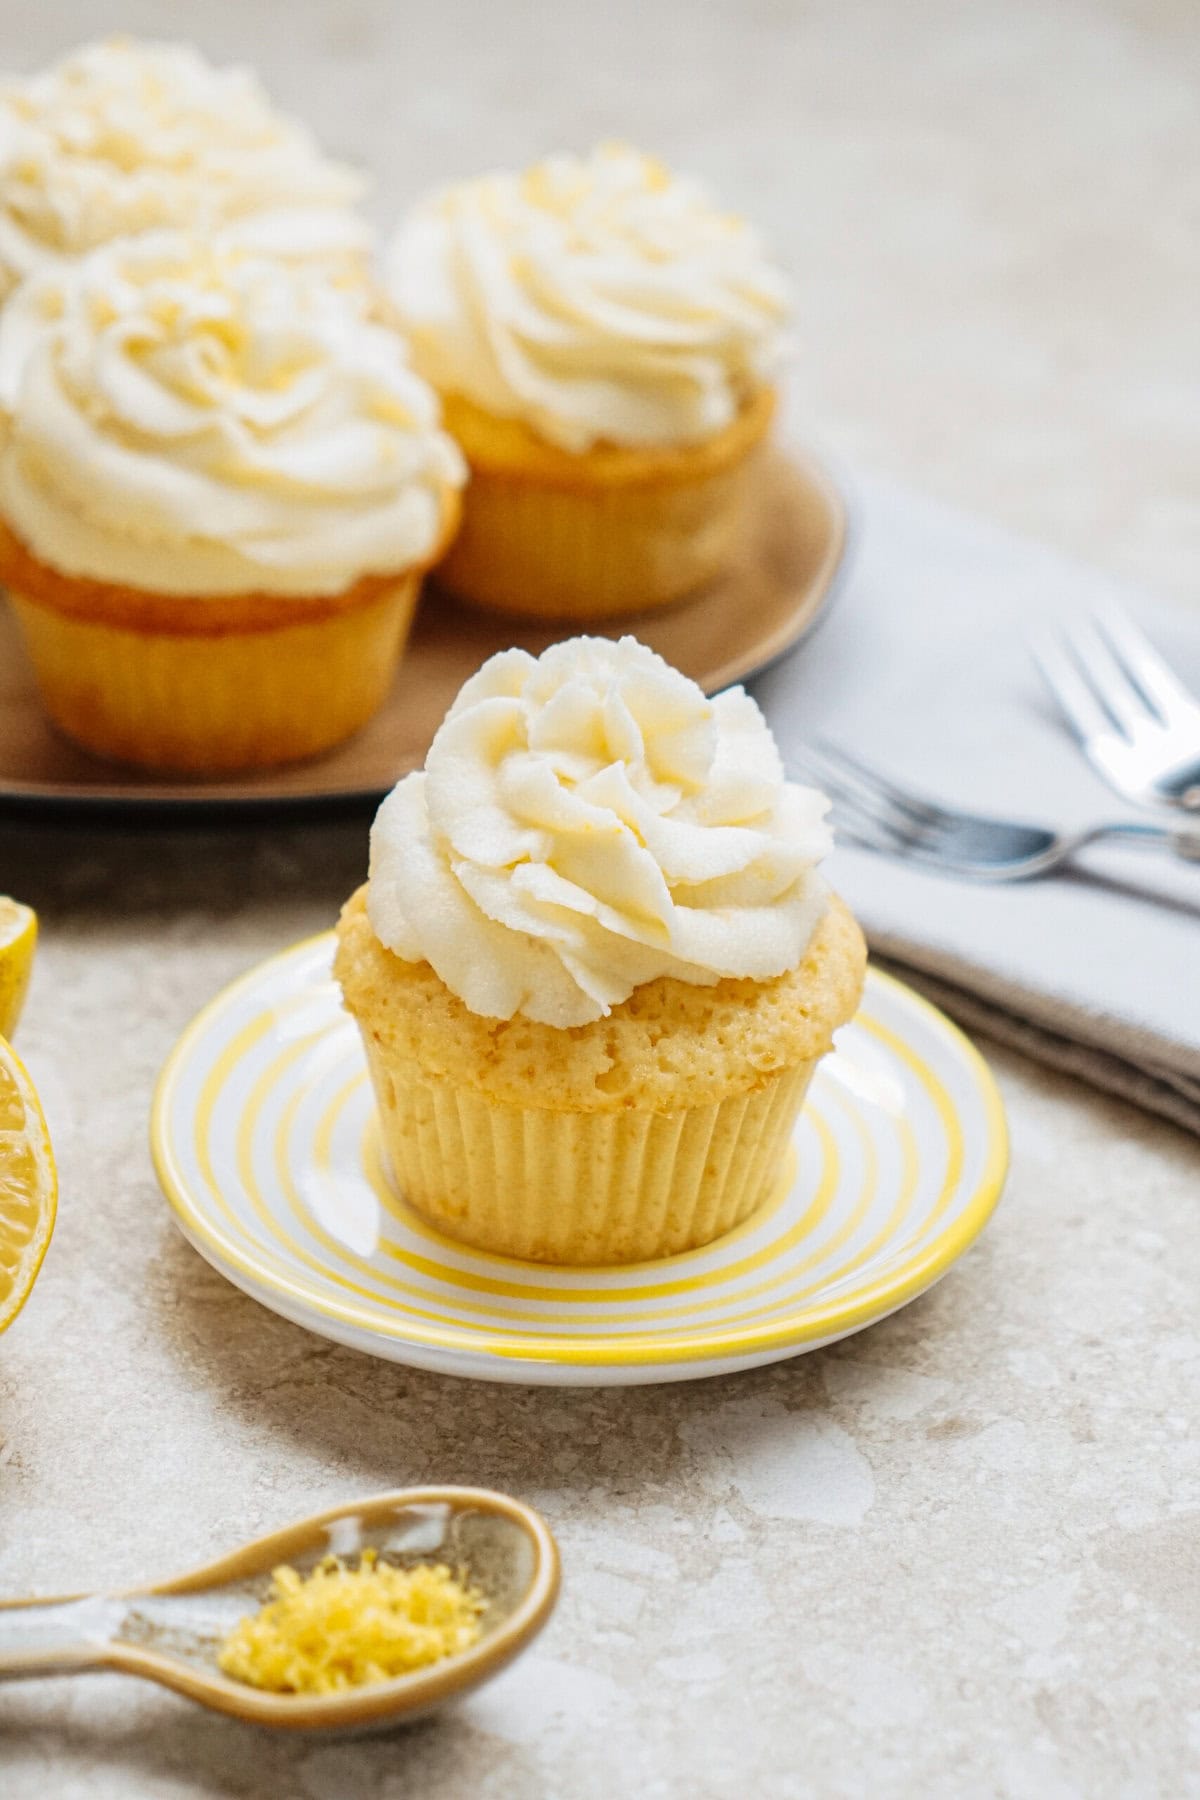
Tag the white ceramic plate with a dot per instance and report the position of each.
(265, 1142)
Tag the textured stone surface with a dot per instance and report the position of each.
(959, 1554)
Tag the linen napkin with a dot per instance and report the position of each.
(922, 667)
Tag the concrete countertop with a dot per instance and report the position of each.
(960, 1554)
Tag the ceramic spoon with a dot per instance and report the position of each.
(170, 1632)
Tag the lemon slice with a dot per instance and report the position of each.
(18, 936)
(28, 1185)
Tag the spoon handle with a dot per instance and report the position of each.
(56, 1637)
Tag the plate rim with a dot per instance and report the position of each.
(205, 801)
(838, 1317)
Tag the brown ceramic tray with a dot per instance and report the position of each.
(730, 631)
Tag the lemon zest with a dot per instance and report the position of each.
(341, 1627)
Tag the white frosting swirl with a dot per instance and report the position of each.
(588, 821)
(122, 137)
(597, 299)
(191, 419)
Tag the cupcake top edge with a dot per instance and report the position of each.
(187, 417)
(596, 298)
(124, 136)
(588, 821)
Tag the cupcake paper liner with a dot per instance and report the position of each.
(545, 552)
(584, 1187)
(197, 702)
(553, 535)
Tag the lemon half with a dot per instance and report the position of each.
(18, 939)
(28, 1185)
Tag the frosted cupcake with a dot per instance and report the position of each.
(595, 965)
(122, 137)
(219, 488)
(606, 343)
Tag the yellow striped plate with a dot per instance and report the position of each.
(264, 1139)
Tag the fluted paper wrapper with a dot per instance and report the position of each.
(543, 550)
(582, 1187)
(205, 702)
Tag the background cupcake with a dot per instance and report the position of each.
(606, 342)
(122, 137)
(595, 965)
(219, 485)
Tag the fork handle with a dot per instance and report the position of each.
(1150, 836)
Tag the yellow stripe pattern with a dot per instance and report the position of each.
(264, 1138)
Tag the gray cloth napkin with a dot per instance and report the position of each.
(922, 667)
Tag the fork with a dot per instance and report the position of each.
(872, 810)
(1137, 724)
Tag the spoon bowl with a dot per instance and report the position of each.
(171, 1631)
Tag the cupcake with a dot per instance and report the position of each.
(122, 137)
(595, 965)
(606, 344)
(220, 485)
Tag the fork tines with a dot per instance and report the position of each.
(868, 807)
(1107, 676)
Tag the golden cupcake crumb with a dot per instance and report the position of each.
(670, 1045)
